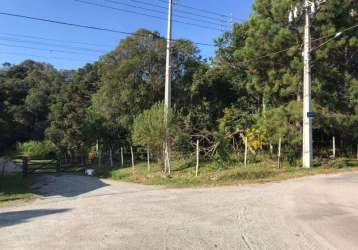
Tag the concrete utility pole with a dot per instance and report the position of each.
(309, 9)
(167, 100)
(307, 101)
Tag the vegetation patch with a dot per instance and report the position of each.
(183, 174)
(14, 188)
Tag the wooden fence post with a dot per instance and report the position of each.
(132, 158)
(245, 158)
(25, 164)
(334, 147)
(197, 158)
(58, 166)
(148, 159)
(122, 160)
(279, 153)
(111, 157)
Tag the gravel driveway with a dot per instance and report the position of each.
(77, 212)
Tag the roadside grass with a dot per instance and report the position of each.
(14, 189)
(183, 173)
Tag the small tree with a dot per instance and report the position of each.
(149, 129)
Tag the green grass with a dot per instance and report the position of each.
(14, 188)
(183, 174)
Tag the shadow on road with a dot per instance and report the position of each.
(65, 185)
(13, 218)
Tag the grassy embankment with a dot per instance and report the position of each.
(183, 174)
(14, 189)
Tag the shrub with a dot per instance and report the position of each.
(37, 148)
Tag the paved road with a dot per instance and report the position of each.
(77, 212)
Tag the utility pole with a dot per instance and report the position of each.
(167, 100)
(309, 8)
(307, 101)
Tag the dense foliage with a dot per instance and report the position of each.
(245, 91)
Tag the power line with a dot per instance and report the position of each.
(164, 13)
(90, 27)
(317, 39)
(41, 56)
(181, 11)
(42, 49)
(144, 14)
(56, 40)
(335, 36)
(12, 39)
(202, 10)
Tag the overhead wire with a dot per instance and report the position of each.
(202, 10)
(55, 40)
(42, 49)
(42, 56)
(181, 11)
(135, 34)
(147, 15)
(90, 27)
(17, 40)
(165, 13)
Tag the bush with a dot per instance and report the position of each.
(37, 149)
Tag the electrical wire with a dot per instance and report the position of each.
(92, 27)
(41, 56)
(134, 34)
(147, 15)
(201, 10)
(56, 40)
(164, 13)
(181, 11)
(42, 49)
(335, 36)
(11, 39)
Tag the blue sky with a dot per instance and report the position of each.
(70, 47)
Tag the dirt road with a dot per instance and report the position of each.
(77, 212)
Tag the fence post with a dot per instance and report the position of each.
(122, 160)
(279, 153)
(148, 159)
(110, 157)
(334, 147)
(197, 158)
(132, 159)
(25, 164)
(245, 159)
(58, 166)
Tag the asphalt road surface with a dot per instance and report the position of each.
(77, 212)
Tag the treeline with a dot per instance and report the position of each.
(245, 91)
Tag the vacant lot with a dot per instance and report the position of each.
(78, 212)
